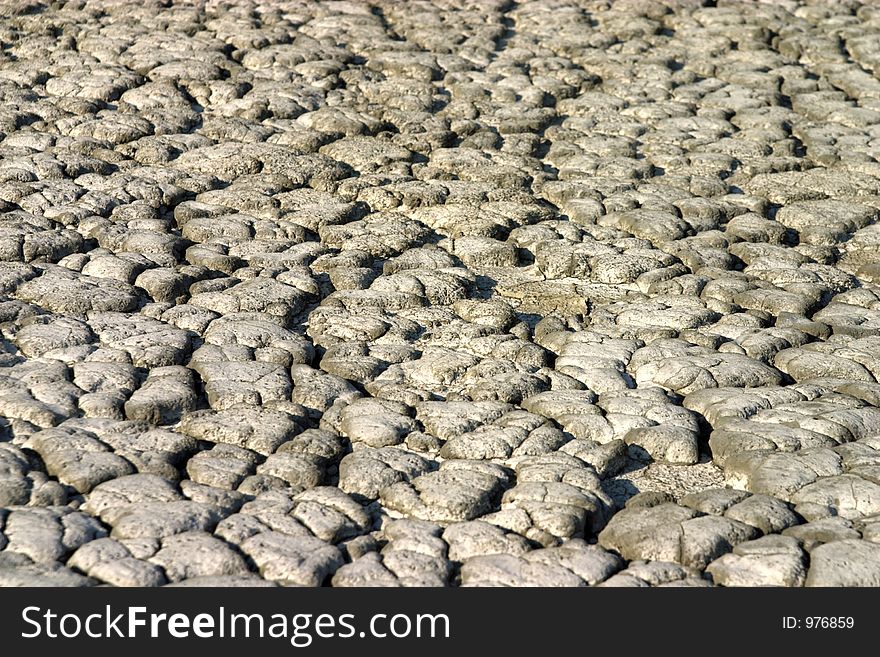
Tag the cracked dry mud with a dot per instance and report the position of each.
(563, 292)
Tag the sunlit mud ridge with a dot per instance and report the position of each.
(558, 293)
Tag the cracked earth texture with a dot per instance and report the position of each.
(564, 292)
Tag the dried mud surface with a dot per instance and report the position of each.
(556, 293)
